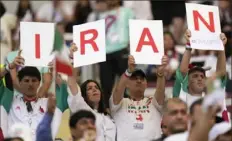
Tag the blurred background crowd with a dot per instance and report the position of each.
(69, 13)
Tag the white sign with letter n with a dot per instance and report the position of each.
(36, 42)
(204, 24)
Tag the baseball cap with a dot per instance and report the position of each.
(193, 68)
(219, 129)
(138, 72)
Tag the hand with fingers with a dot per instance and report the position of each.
(18, 61)
(161, 68)
(73, 49)
(187, 35)
(223, 38)
(50, 66)
(51, 103)
(131, 63)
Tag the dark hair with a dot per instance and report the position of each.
(195, 103)
(29, 71)
(20, 13)
(81, 13)
(79, 115)
(2, 9)
(11, 139)
(97, 1)
(174, 41)
(58, 139)
(101, 107)
(170, 33)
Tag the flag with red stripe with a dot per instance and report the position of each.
(62, 60)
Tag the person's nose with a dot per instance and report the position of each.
(91, 125)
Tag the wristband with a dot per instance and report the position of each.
(188, 47)
(127, 73)
(70, 57)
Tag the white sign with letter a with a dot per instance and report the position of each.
(90, 40)
(36, 42)
(204, 24)
(146, 41)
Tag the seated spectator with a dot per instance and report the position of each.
(142, 9)
(225, 15)
(24, 12)
(23, 7)
(8, 26)
(53, 11)
(99, 7)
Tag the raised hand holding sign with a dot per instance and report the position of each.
(146, 41)
(36, 41)
(204, 24)
(90, 38)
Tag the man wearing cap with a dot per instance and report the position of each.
(138, 118)
(190, 80)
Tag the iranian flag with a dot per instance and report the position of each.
(6, 98)
(62, 65)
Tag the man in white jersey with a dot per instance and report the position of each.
(138, 118)
(22, 108)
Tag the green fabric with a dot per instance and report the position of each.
(58, 41)
(177, 85)
(62, 97)
(119, 29)
(4, 81)
(181, 82)
(6, 97)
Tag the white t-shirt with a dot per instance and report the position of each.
(142, 9)
(137, 120)
(178, 137)
(48, 13)
(19, 114)
(106, 129)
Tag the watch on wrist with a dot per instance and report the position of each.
(127, 73)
